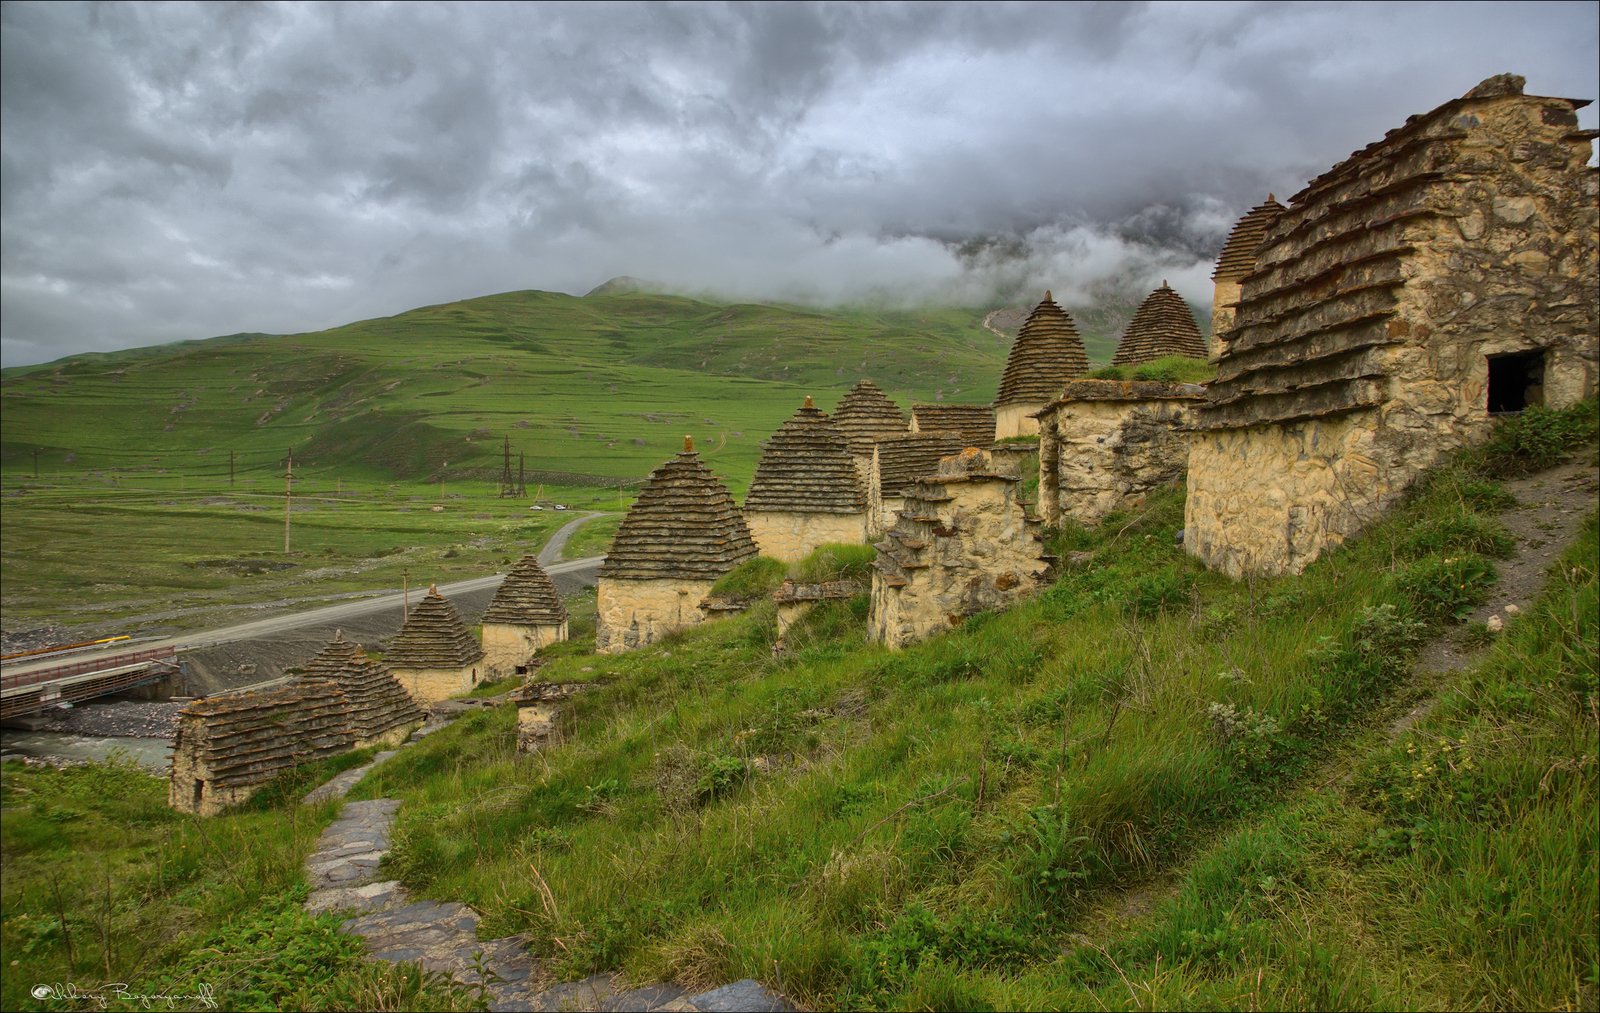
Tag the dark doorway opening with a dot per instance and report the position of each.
(1515, 381)
(522, 669)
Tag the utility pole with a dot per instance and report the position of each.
(288, 481)
(405, 592)
(522, 487)
(441, 480)
(36, 463)
(506, 488)
(230, 468)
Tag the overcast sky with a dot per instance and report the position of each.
(191, 170)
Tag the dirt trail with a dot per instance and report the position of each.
(443, 936)
(1550, 509)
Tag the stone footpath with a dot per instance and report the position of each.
(444, 936)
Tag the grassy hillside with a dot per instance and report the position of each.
(605, 385)
(1149, 786)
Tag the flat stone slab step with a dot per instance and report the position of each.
(340, 786)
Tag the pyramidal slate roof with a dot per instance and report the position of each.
(378, 702)
(249, 738)
(434, 636)
(526, 598)
(1163, 325)
(1239, 253)
(906, 457)
(1048, 352)
(806, 468)
(865, 414)
(684, 525)
(975, 422)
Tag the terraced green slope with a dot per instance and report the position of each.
(605, 385)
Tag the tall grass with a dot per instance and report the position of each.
(930, 828)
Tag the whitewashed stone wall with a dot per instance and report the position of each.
(507, 647)
(636, 613)
(1016, 420)
(792, 536)
(427, 685)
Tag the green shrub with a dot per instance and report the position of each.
(1462, 531)
(835, 561)
(1446, 587)
(761, 575)
(1156, 374)
(1160, 591)
(1538, 437)
(887, 960)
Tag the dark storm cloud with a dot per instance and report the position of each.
(180, 171)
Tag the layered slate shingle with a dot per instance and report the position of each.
(864, 415)
(1239, 253)
(973, 422)
(1048, 352)
(1163, 325)
(378, 703)
(527, 597)
(434, 637)
(1317, 315)
(806, 468)
(248, 738)
(906, 457)
(684, 525)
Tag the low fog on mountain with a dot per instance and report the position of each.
(183, 171)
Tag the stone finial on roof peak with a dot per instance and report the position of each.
(1047, 353)
(1498, 86)
(433, 588)
(808, 402)
(688, 444)
(338, 636)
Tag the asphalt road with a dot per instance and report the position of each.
(359, 612)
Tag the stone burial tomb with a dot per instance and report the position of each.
(897, 461)
(227, 747)
(795, 600)
(382, 713)
(805, 491)
(681, 534)
(525, 615)
(965, 543)
(1047, 353)
(865, 415)
(1238, 259)
(1163, 325)
(973, 423)
(1107, 444)
(1434, 278)
(434, 655)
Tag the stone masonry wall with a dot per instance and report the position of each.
(430, 685)
(1016, 420)
(1360, 354)
(1101, 456)
(1224, 306)
(791, 536)
(1276, 497)
(636, 613)
(507, 647)
(964, 544)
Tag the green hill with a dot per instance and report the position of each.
(605, 385)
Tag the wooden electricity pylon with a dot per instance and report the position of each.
(288, 482)
(506, 488)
